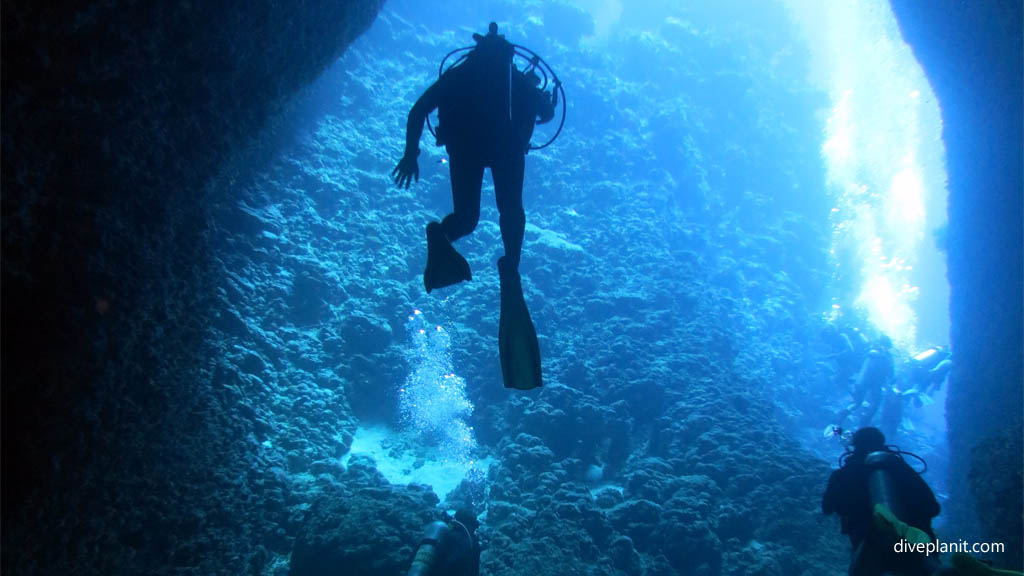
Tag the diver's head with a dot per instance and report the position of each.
(884, 342)
(466, 517)
(492, 34)
(868, 439)
(493, 52)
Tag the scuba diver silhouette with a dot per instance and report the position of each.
(880, 500)
(886, 509)
(876, 372)
(928, 370)
(487, 109)
(449, 547)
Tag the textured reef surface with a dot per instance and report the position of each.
(119, 454)
(669, 288)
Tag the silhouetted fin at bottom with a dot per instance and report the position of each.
(445, 266)
(517, 338)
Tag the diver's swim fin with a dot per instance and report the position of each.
(893, 529)
(517, 338)
(445, 266)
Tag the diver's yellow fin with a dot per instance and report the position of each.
(888, 524)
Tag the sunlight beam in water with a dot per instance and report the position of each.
(885, 170)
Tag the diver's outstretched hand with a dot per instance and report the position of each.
(407, 169)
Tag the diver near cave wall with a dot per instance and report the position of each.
(848, 346)
(487, 109)
(886, 509)
(880, 500)
(927, 371)
(876, 374)
(448, 548)
(917, 379)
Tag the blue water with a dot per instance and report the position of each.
(726, 187)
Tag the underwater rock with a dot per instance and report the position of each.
(687, 537)
(117, 117)
(995, 478)
(639, 519)
(971, 53)
(308, 298)
(364, 526)
(755, 558)
(608, 497)
(624, 556)
(529, 452)
(365, 336)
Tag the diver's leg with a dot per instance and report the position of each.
(518, 348)
(508, 192)
(467, 178)
(860, 390)
(445, 266)
(854, 408)
(874, 398)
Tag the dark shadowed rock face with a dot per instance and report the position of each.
(971, 52)
(995, 478)
(363, 526)
(116, 115)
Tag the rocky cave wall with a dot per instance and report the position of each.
(667, 281)
(971, 52)
(115, 117)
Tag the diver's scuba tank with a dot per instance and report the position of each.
(929, 368)
(426, 554)
(881, 485)
(496, 48)
(931, 357)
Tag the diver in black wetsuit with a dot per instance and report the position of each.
(880, 500)
(875, 375)
(449, 548)
(486, 113)
(847, 347)
(487, 109)
(886, 509)
(927, 371)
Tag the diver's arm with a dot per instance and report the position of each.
(938, 375)
(847, 345)
(408, 169)
(426, 104)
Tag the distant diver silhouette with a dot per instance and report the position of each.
(487, 109)
(449, 547)
(881, 500)
(876, 372)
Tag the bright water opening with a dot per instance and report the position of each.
(886, 174)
